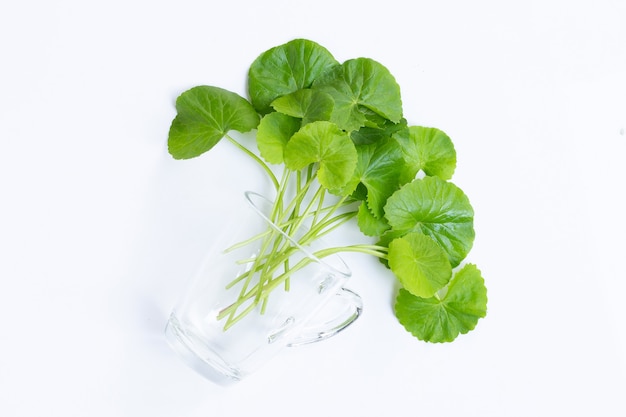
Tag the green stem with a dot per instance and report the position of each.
(277, 208)
(374, 250)
(249, 275)
(297, 200)
(256, 159)
(319, 195)
(321, 229)
(270, 284)
(268, 268)
(272, 265)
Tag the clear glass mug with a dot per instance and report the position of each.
(225, 336)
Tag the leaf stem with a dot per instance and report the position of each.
(256, 159)
(269, 284)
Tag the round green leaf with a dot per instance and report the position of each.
(430, 150)
(442, 320)
(366, 135)
(385, 239)
(308, 105)
(420, 265)
(438, 209)
(204, 115)
(379, 168)
(368, 224)
(284, 69)
(324, 143)
(273, 133)
(357, 85)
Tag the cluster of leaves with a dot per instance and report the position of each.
(340, 128)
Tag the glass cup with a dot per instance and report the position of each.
(225, 325)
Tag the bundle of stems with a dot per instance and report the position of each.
(294, 222)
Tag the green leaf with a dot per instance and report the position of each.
(385, 240)
(430, 150)
(285, 69)
(367, 135)
(368, 224)
(308, 105)
(436, 208)
(273, 133)
(359, 85)
(379, 168)
(420, 265)
(442, 320)
(360, 192)
(204, 115)
(324, 143)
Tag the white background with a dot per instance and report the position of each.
(100, 228)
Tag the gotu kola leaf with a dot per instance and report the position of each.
(204, 115)
(368, 224)
(306, 104)
(324, 143)
(442, 320)
(369, 134)
(427, 149)
(379, 168)
(361, 83)
(285, 69)
(436, 208)
(420, 265)
(273, 133)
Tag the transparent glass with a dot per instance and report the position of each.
(226, 336)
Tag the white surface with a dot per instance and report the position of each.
(99, 227)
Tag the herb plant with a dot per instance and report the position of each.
(333, 140)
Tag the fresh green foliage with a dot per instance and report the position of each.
(370, 225)
(204, 115)
(419, 263)
(275, 130)
(286, 69)
(306, 104)
(325, 144)
(430, 150)
(378, 171)
(336, 136)
(436, 319)
(437, 208)
(358, 85)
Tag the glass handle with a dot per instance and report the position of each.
(350, 307)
